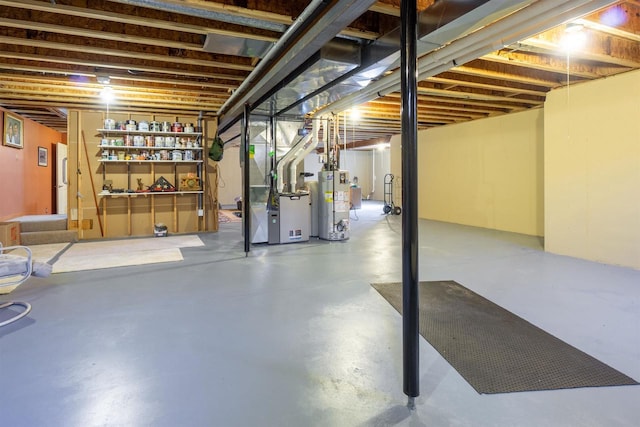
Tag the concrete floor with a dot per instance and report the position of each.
(294, 335)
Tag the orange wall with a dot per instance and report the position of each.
(26, 188)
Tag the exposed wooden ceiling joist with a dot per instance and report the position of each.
(52, 52)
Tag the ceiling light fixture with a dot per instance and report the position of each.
(103, 80)
(574, 37)
(107, 95)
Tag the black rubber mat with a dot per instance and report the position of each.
(495, 350)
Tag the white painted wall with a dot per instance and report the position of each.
(592, 170)
(381, 158)
(229, 177)
(396, 168)
(369, 166)
(358, 163)
(313, 165)
(485, 173)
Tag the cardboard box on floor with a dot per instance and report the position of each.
(10, 233)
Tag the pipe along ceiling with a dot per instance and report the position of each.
(334, 74)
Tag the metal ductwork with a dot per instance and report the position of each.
(438, 25)
(478, 40)
(331, 62)
(324, 80)
(445, 19)
(193, 10)
(329, 73)
(451, 32)
(286, 180)
(234, 45)
(315, 27)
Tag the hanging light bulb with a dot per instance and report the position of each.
(574, 38)
(107, 95)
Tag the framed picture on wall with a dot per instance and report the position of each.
(13, 135)
(43, 156)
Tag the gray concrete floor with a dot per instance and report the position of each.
(294, 335)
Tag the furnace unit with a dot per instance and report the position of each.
(291, 222)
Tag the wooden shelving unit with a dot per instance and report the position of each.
(180, 162)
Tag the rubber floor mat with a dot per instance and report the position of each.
(494, 350)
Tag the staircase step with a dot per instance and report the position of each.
(44, 237)
(43, 225)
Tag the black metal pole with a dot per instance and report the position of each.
(409, 93)
(273, 123)
(246, 216)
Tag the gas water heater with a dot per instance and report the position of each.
(333, 204)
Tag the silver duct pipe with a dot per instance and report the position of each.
(325, 28)
(523, 23)
(306, 148)
(276, 50)
(204, 13)
(285, 160)
(446, 20)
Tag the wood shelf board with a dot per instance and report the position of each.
(150, 161)
(145, 132)
(147, 193)
(144, 147)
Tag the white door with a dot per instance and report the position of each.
(62, 177)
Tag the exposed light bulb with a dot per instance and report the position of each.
(574, 38)
(106, 94)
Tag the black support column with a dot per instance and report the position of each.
(409, 91)
(246, 216)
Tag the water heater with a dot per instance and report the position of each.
(333, 204)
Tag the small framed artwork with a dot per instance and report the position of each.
(13, 135)
(43, 156)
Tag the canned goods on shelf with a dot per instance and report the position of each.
(143, 126)
(138, 141)
(176, 127)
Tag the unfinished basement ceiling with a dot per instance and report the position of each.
(170, 57)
